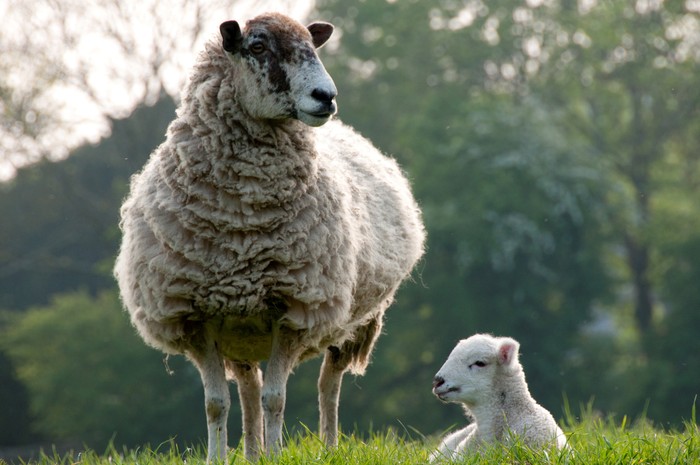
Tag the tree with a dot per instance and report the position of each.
(59, 231)
(60, 220)
(91, 379)
(92, 63)
(621, 76)
(513, 208)
(544, 139)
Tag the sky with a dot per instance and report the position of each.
(105, 50)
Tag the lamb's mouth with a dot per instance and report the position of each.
(443, 394)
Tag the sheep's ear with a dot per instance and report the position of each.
(232, 37)
(508, 351)
(320, 32)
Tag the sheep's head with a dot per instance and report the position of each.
(469, 374)
(278, 73)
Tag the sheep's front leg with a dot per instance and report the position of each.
(217, 399)
(329, 383)
(249, 380)
(286, 349)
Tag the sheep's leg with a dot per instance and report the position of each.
(217, 399)
(249, 380)
(354, 355)
(329, 382)
(285, 353)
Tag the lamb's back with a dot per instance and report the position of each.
(535, 425)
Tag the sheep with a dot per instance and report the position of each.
(484, 375)
(263, 230)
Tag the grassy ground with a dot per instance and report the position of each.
(592, 440)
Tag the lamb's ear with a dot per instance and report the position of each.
(508, 351)
(232, 37)
(320, 32)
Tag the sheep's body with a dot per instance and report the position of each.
(484, 375)
(250, 236)
(327, 262)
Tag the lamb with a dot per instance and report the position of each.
(484, 375)
(260, 231)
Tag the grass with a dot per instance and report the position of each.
(592, 440)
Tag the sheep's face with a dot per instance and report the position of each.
(278, 73)
(468, 375)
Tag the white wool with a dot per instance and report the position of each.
(247, 224)
(332, 232)
(484, 375)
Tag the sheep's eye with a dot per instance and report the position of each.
(257, 47)
(478, 363)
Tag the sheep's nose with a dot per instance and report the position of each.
(324, 96)
(438, 381)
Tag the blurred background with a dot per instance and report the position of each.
(553, 146)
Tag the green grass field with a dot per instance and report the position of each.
(592, 441)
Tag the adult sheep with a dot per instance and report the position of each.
(484, 375)
(250, 235)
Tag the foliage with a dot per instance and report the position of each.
(89, 376)
(62, 231)
(513, 205)
(546, 142)
(59, 231)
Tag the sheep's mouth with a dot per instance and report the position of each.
(321, 114)
(314, 119)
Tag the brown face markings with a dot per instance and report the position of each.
(288, 33)
(286, 42)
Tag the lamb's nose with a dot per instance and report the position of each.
(438, 381)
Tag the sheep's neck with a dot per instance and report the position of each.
(256, 164)
(241, 165)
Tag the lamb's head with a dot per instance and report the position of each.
(474, 366)
(278, 73)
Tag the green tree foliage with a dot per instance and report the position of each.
(544, 140)
(90, 378)
(623, 75)
(15, 422)
(59, 231)
(513, 207)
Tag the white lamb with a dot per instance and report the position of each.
(484, 375)
(249, 235)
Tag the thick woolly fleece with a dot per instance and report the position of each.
(484, 375)
(235, 223)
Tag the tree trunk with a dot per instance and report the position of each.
(638, 262)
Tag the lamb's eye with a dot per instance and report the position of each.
(257, 47)
(478, 363)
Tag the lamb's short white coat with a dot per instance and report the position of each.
(254, 234)
(484, 375)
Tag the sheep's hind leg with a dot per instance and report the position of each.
(249, 380)
(286, 349)
(335, 364)
(217, 399)
(353, 355)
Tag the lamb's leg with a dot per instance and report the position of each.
(249, 380)
(217, 399)
(329, 383)
(286, 349)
